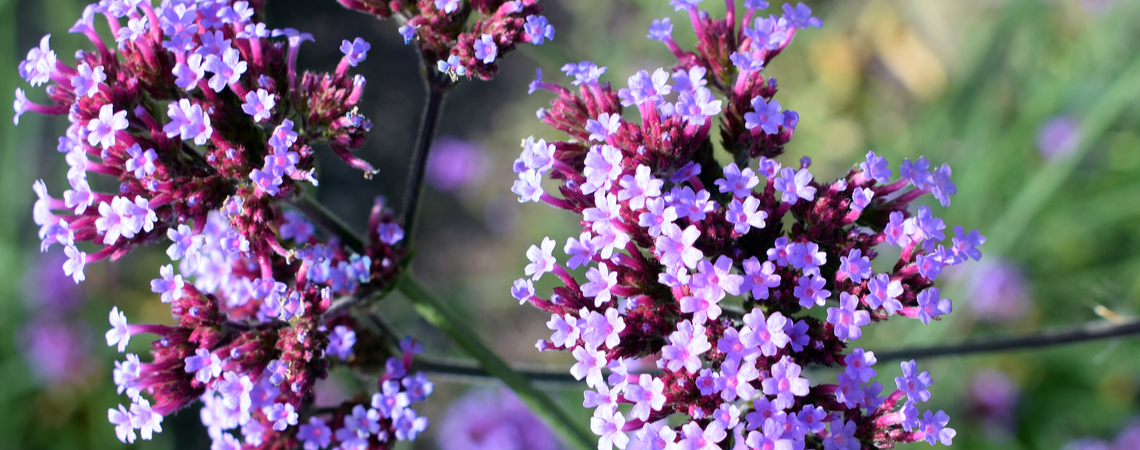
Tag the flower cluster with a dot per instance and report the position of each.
(440, 27)
(493, 419)
(671, 240)
(200, 114)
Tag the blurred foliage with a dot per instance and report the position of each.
(968, 83)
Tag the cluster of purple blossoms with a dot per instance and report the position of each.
(670, 238)
(201, 115)
(458, 49)
(1129, 438)
(493, 419)
(54, 342)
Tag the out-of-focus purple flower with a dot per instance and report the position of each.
(48, 290)
(993, 397)
(56, 350)
(1058, 137)
(493, 420)
(997, 292)
(455, 165)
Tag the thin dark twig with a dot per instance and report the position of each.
(329, 221)
(343, 303)
(438, 85)
(467, 370)
(1071, 335)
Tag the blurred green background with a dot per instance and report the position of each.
(1030, 101)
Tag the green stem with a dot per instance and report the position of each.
(437, 91)
(329, 221)
(434, 311)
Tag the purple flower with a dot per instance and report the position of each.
(358, 427)
(697, 106)
(767, 33)
(391, 400)
(538, 29)
(934, 428)
(676, 246)
(355, 51)
(408, 425)
(930, 306)
(876, 168)
(103, 128)
(914, 383)
(765, 115)
(408, 31)
(606, 125)
(447, 6)
(485, 49)
(145, 419)
(998, 292)
(884, 292)
(170, 285)
(800, 16)
(453, 65)
(861, 198)
(966, 245)
(141, 163)
(40, 63)
(124, 424)
(767, 335)
(643, 88)
(601, 281)
(747, 62)
(315, 434)
(847, 319)
(86, 81)
(640, 187)
(685, 348)
(583, 72)
(608, 426)
(917, 172)
(390, 233)
(599, 329)
(690, 80)
(660, 30)
(735, 380)
(739, 182)
(603, 167)
(76, 260)
(235, 390)
(809, 290)
(341, 341)
(857, 266)
(259, 104)
(745, 216)
(493, 419)
(943, 188)
(589, 365)
(204, 365)
(188, 121)
(457, 166)
(227, 69)
(119, 333)
(281, 414)
(859, 365)
(1058, 137)
(565, 329)
(842, 434)
(807, 257)
(648, 395)
(541, 259)
(785, 383)
(190, 72)
(694, 438)
(795, 185)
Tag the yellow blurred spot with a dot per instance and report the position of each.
(900, 49)
(837, 63)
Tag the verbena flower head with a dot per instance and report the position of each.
(670, 239)
(201, 114)
(446, 41)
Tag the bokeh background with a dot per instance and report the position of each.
(1032, 102)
